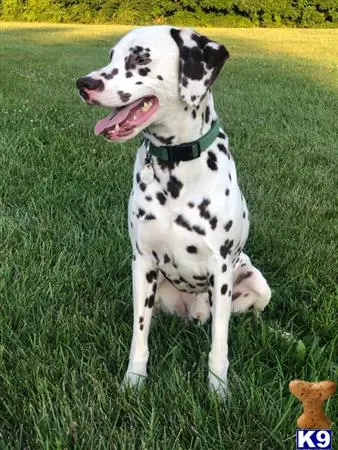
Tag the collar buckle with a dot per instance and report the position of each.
(184, 152)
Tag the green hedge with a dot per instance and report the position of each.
(302, 13)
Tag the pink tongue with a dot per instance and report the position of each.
(114, 118)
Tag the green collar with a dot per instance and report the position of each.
(184, 152)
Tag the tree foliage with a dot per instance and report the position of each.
(303, 13)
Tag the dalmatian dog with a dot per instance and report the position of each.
(188, 220)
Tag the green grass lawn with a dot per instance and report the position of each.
(65, 277)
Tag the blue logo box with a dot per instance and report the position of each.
(313, 439)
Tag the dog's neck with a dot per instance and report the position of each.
(186, 124)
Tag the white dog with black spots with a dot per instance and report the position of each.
(188, 220)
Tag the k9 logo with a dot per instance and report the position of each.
(314, 439)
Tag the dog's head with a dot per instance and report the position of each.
(150, 68)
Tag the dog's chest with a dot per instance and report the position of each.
(178, 218)
(174, 236)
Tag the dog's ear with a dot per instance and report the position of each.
(200, 62)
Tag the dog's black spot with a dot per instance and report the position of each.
(198, 230)
(224, 268)
(164, 140)
(230, 177)
(199, 277)
(161, 198)
(140, 213)
(222, 148)
(143, 187)
(138, 249)
(221, 135)
(130, 62)
(111, 54)
(227, 192)
(184, 81)
(129, 74)
(213, 222)
(236, 295)
(207, 114)
(166, 259)
(109, 76)
(224, 289)
(168, 165)
(244, 214)
(174, 186)
(160, 77)
(139, 82)
(201, 41)
(242, 277)
(191, 204)
(124, 96)
(203, 209)
(149, 217)
(150, 301)
(226, 248)
(212, 155)
(193, 114)
(211, 280)
(210, 297)
(212, 161)
(191, 249)
(136, 49)
(141, 326)
(144, 71)
(151, 276)
(180, 220)
(228, 225)
(141, 319)
(148, 198)
(155, 256)
(185, 108)
(193, 98)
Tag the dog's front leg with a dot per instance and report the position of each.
(144, 290)
(220, 286)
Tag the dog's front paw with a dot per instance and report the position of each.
(132, 381)
(218, 385)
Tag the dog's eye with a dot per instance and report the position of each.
(140, 59)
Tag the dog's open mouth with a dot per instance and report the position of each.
(123, 120)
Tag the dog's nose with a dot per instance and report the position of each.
(89, 83)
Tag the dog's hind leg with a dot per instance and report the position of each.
(144, 290)
(250, 289)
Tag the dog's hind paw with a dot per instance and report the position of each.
(251, 289)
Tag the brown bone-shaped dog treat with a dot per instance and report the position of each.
(313, 395)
